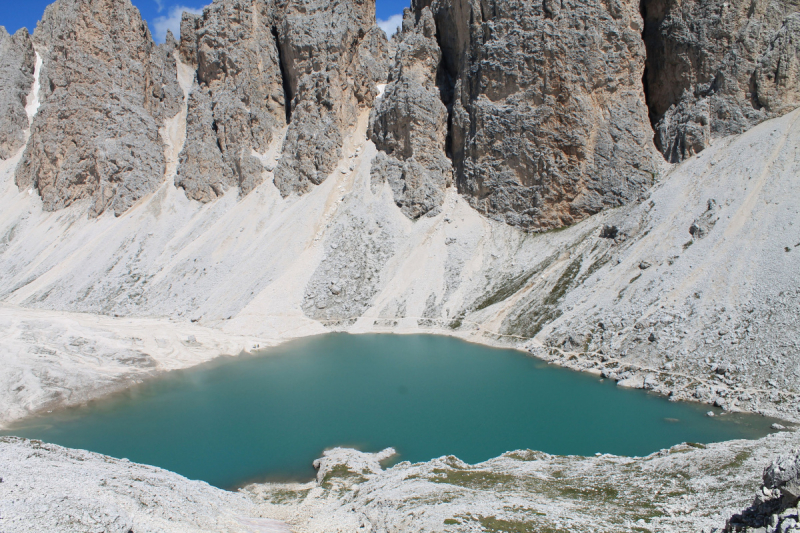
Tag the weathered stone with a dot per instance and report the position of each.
(409, 124)
(188, 45)
(105, 89)
(202, 173)
(333, 57)
(238, 68)
(609, 232)
(774, 507)
(17, 61)
(267, 65)
(717, 68)
(705, 222)
(548, 122)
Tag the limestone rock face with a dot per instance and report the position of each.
(548, 122)
(718, 68)
(265, 65)
(106, 88)
(238, 70)
(409, 124)
(17, 61)
(202, 172)
(333, 57)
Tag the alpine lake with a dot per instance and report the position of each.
(267, 416)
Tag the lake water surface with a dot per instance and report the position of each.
(269, 416)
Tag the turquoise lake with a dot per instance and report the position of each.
(256, 418)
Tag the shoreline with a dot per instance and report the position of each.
(254, 346)
(261, 347)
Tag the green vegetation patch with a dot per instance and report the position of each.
(739, 460)
(563, 283)
(285, 495)
(471, 479)
(526, 455)
(602, 493)
(493, 524)
(340, 472)
(533, 317)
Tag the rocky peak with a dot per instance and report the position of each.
(309, 65)
(243, 103)
(17, 61)
(106, 88)
(334, 56)
(409, 124)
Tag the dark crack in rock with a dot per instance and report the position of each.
(547, 115)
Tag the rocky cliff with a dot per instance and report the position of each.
(17, 61)
(265, 66)
(540, 114)
(409, 124)
(717, 68)
(546, 118)
(550, 105)
(106, 88)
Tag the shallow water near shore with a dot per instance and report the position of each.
(268, 416)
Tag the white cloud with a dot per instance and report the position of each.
(160, 4)
(391, 25)
(171, 22)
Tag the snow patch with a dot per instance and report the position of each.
(32, 104)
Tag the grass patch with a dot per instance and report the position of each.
(563, 283)
(739, 460)
(509, 287)
(687, 244)
(340, 472)
(594, 267)
(602, 493)
(506, 289)
(471, 479)
(457, 321)
(451, 522)
(526, 455)
(493, 524)
(532, 317)
(696, 445)
(283, 495)
(637, 276)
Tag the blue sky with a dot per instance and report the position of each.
(163, 14)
